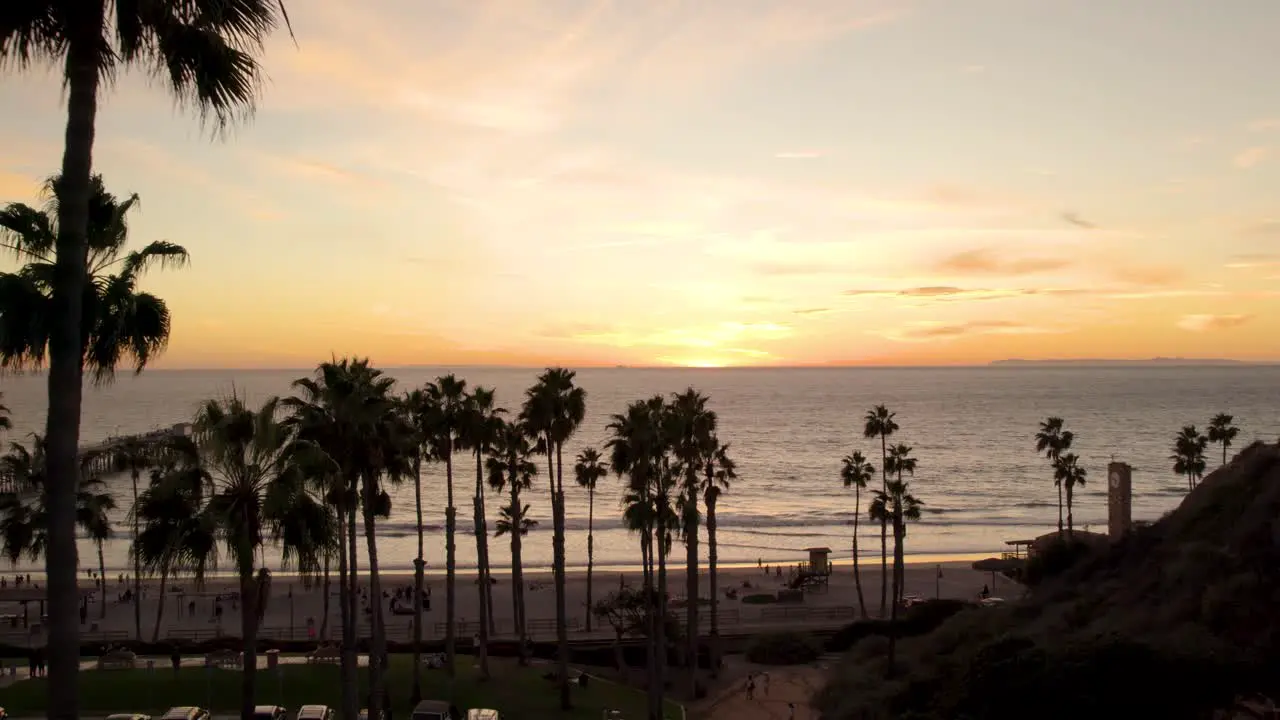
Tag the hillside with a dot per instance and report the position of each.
(1176, 621)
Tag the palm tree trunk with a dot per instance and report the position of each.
(451, 568)
(164, 580)
(353, 600)
(893, 612)
(651, 615)
(1070, 523)
(249, 633)
(517, 570)
(591, 548)
(558, 560)
(857, 571)
(324, 601)
(134, 471)
(1059, 508)
(659, 674)
(715, 591)
(102, 573)
(377, 650)
(483, 550)
(419, 564)
(482, 580)
(62, 426)
(350, 706)
(691, 589)
(884, 525)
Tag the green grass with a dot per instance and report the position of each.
(518, 693)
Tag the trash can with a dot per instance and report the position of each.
(273, 659)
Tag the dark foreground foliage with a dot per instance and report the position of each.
(1175, 621)
(786, 648)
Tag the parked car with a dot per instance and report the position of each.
(269, 712)
(433, 710)
(315, 712)
(185, 712)
(123, 716)
(482, 714)
(364, 714)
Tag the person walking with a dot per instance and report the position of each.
(751, 687)
(766, 684)
(791, 711)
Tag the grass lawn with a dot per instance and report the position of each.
(518, 693)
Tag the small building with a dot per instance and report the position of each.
(819, 561)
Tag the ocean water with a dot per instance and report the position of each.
(972, 430)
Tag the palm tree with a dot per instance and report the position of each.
(1053, 440)
(1068, 473)
(720, 472)
(449, 394)
(691, 429)
(133, 455)
(897, 506)
(421, 415)
(1189, 446)
(856, 472)
(93, 507)
(588, 468)
(64, 301)
(480, 423)
(5, 422)
(899, 463)
(24, 521)
(1222, 431)
(510, 468)
(879, 422)
(256, 493)
(553, 409)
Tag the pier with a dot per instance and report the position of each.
(107, 457)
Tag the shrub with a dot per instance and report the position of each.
(760, 599)
(1055, 559)
(788, 648)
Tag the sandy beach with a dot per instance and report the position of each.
(296, 611)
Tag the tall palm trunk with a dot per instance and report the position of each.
(884, 526)
(482, 550)
(353, 599)
(419, 564)
(591, 547)
(660, 643)
(651, 621)
(517, 570)
(691, 589)
(482, 582)
(350, 699)
(62, 426)
(562, 630)
(1070, 523)
(1059, 508)
(249, 634)
(712, 495)
(102, 590)
(451, 568)
(164, 581)
(137, 558)
(324, 611)
(378, 645)
(893, 613)
(857, 571)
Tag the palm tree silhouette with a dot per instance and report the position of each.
(720, 474)
(207, 58)
(1223, 431)
(856, 472)
(480, 420)
(449, 394)
(1189, 446)
(897, 506)
(1053, 440)
(899, 463)
(879, 422)
(1068, 473)
(510, 468)
(588, 469)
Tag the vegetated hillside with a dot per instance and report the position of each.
(1175, 621)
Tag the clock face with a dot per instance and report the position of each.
(1115, 479)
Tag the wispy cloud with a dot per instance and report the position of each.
(1248, 261)
(986, 261)
(1267, 228)
(1207, 323)
(927, 331)
(1265, 124)
(1074, 219)
(812, 311)
(1251, 157)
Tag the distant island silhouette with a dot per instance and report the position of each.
(1015, 362)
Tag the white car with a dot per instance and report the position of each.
(185, 712)
(315, 712)
(479, 714)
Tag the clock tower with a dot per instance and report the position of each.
(1119, 499)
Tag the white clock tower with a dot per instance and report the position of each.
(1119, 499)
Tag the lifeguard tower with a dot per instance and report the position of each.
(816, 573)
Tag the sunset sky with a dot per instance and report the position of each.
(712, 182)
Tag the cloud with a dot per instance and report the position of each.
(1251, 157)
(1146, 274)
(1248, 261)
(1268, 228)
(925, 331)
(1265, 125)
(799, 154)
(1207, 323)
(1074, 219)
(812, 311)
(984, 261)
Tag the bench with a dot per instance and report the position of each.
(118, 660)
(324, 654)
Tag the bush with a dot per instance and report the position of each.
(783, 649)
(918, 619)
(1055, 559)
(760, 599)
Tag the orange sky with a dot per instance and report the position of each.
(772, 182)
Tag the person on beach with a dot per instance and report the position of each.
(791, 711)
(751, 687)
(765, 678)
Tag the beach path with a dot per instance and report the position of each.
(786, 685)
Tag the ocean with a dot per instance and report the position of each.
(972, 430)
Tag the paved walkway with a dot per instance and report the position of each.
(785, 685)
